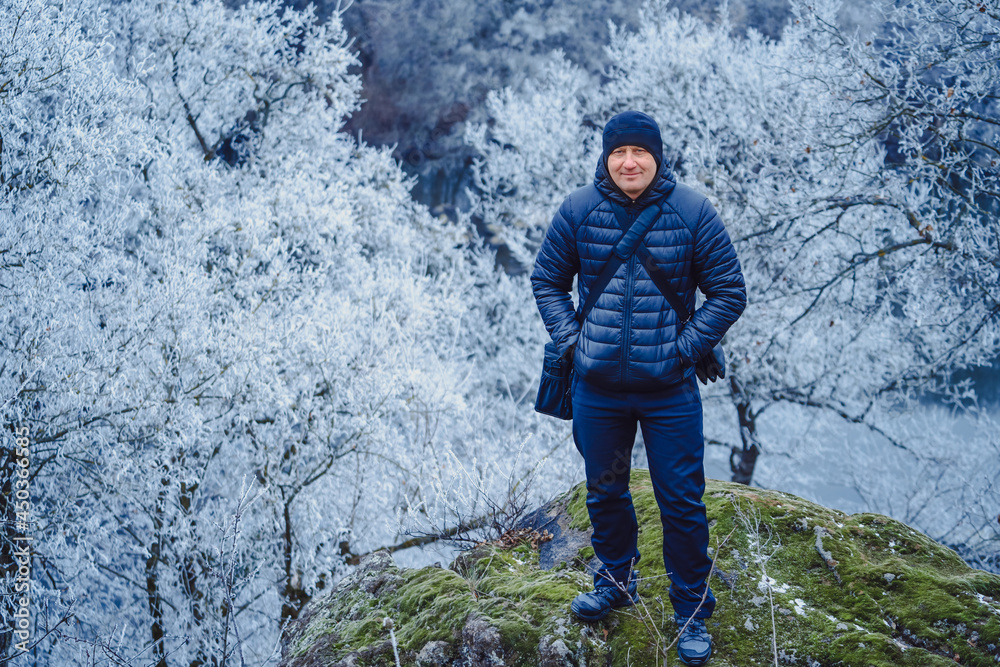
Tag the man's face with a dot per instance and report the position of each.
(632, 168)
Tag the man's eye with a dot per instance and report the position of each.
(639, 150)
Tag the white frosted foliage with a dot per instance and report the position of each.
(209, 293)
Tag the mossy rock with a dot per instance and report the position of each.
(856, 590)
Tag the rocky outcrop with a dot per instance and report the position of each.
(861, 590)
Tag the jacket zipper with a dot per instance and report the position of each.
(627, 315)
(627, 321)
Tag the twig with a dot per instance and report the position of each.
(649, 624)
(227, 573)
(387, 623)
(718, 549)
(471, 575)
(751, 522)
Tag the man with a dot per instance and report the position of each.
(635, 361)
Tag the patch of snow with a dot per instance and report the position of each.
(766, 583)
(989, 602)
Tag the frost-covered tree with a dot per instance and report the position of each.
(217, 305)
(858, 178)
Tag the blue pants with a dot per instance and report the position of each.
(671, 420)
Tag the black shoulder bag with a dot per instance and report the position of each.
(556, 385)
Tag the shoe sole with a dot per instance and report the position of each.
(698, 662)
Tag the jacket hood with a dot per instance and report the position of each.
(661, 186)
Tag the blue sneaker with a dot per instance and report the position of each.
(598, 603)
(694, 646)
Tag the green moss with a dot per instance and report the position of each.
(990, 632)
(846, 612)
(428, 606)
(576, 508)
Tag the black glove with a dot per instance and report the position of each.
(712, 366)
(571, 350)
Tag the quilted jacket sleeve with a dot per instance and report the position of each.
(552, 279)
(719, 277)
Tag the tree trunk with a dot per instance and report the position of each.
(294, 596)
(152, 584)
(742, 461)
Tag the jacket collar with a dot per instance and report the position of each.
(661, 186)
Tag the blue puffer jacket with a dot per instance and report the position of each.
(632, 340)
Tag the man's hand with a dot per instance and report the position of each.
(712, 366)
(569, 351)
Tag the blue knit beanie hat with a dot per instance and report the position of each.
(633, 128)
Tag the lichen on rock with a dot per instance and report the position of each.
(847, 590)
